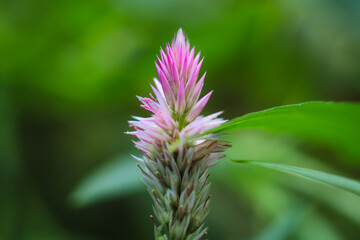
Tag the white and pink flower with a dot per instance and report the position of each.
(175, 159)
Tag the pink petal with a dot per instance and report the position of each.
(199, 106)
(180, 103)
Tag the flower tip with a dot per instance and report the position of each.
(180, 37)
(209, 94)
(180, 32)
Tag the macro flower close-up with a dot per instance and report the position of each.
(175, 160)
(180, 120)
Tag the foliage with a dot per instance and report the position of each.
(304, 119)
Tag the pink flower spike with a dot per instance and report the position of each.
(173, 153)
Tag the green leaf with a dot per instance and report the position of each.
(330, 179)
(337, 124)
(272, 196)
(117, 178)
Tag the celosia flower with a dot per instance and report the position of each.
(177, 177)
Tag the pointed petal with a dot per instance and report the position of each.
(180, 103)
(195, 93)
(199, 106)
(159, 88)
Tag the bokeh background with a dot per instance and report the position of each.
(69, 74)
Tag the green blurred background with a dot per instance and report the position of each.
(69, 74)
